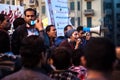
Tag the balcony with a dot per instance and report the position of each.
(89, 12)
(88, 0)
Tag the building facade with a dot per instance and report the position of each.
(116, 19)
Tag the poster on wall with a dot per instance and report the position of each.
(58, 14)
(11, 11)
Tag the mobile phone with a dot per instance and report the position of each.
(32, 23)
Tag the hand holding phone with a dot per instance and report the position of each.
(39, 24)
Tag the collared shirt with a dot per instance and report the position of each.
(31, 30)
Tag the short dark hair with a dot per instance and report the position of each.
(48, 28)
(79, 28)
(78, 53)
(31, 51)
(65, 28)
(61, 58)
(100, 54)
(30, 9)
(2, 17)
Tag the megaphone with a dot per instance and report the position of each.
(94, 29)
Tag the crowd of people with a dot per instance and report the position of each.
(34, 53)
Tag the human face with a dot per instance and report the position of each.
(88, 36)
(74, 36)
(5, 24)
(52, 33)
(80, 33)
(30, 15)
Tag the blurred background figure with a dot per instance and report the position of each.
(77, 66)
(9, 63)
(99, 58)
(61, 57)
(17, 22)
(4, 22)
(32, 53)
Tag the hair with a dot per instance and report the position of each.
(65, 28)
(79, 28)
(78, 53)
(48, 28)
(30, 9)
(2, 17)
(100, 54)
(4, 42)
(18, 21)
(69, 33)
(31, 51)
(61, 58)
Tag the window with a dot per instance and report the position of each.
(108, 5)
(13, 2)
(73, 21)
(43, 9)
(7, 2)
(21, 3)
(78, 5)
(1, 1)
(118, 5)
(88, 5)
(78, 20)
(72, 6)
(89, 22)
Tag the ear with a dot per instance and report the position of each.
(47, 32)
(83, 60)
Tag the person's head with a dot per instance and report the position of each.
(67, 27)
(99, 55)
(87, 35)
(61, 57)
(76, 57)
(4, 22)
(80, 31)
(72, 35)
(30, 14)
(51, 31)
(32, 51)
(4, 42)
(18, 21)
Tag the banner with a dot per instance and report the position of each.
(11, 11)
(58, 14)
